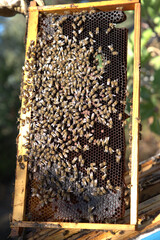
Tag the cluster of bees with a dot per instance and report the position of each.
(67, 95)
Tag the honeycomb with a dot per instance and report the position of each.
(77, 76)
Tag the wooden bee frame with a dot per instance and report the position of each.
(18, 219)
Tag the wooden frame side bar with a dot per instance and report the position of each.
(135, 117)
(97, 226)
(124, 5)
(21, 174)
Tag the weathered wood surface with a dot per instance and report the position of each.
(68, 225)
(148, 219)
(100, 5)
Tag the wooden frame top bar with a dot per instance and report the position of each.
(124, 5)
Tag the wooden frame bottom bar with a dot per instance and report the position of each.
(97, 226)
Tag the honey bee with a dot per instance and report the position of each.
(91, 209)
(108, 62)
(98, 142)
(78, 185)
(97, 30)
(108, 81)
(112, 25)
(19, 158)
(108, 30)
(106, 149)
(82, 162)
(69, 189)
(74, 26)
(80, 158)
(114, 53)
(25, 158)
(140, 136)
(83, 18)
(124, 123)
(114, 110)
(110, 102)
(85, 42)
(76, 19)
(102, 164)
(104, 169)
(81, 133)
(118, 188)
(115, 103)
(99, 49)
(92, 11)
(74, 160)
(111, 48)
(95, 182)
(111, 150)
(85, 148)
(91, 34)
(80, 30)
(127, 93)
(138, 120)
(23, 122)
(117, 90)
(79, 23)
(118, 158)
(91, 175)
(112, 84)
(123, 102)
(75, 33)
(74, 39)
(120, 116)
(72, 179)
(24, 110)
(86, 198)
(74, 168)
(92, 164)
(103, 190)
(32, 42)
(87, 177)
(140, 126)
(28, 120)
(95, 193)
(105, 98)
(104, 176)
(92, 41)
(84, 182)
(22, 166)
(109, 186)
(118, 152)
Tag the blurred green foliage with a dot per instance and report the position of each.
(150, 63)
(11, 59)
(12, 33)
